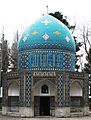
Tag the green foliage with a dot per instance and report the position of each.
(5, 56)
(63, 19)
(78, 45)
(9, 56)
(87, 66)
(78, 56)
(14, 53)
(60, 17)
(14, 56)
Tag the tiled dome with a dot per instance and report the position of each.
(47, 33)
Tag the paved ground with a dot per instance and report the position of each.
(15, 118)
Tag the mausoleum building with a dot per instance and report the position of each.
(46, 83)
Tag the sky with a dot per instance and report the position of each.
(18, 14)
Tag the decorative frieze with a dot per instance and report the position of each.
(47, 60)
(43, 74)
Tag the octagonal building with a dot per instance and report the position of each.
(46, 83)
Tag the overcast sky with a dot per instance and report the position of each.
(18, 14)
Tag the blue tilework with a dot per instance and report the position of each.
(60, 91)
(47, 32)
(47, 60)
(28, 89)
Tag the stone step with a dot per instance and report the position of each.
(77, 114)
(16, 114)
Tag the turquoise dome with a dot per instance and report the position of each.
(47, 33)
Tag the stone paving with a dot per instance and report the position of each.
(50, 118)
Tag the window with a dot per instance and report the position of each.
(44, 89)
(76, 101)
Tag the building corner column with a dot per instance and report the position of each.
(26, 109)
(86, 110)
(61, 110)
(86, 95)
(5, 108)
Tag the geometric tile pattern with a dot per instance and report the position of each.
(60, 91)
(47, 59)
(67, 61)
(28, 89)
(50, 59)
(67, 90)
(62, 60)
(50, 33)
(24, 61)
(46, 22)
(57, 60)
(24, 38)
(45, 36)
(67, 39)
(72, 62)
(19, 61)
(22, 102)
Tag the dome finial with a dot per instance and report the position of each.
(47, 9)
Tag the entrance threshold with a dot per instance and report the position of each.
(44, 106)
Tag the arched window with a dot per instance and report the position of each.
(13, 89)
(76, 89)
(76, 94)
(44, 89)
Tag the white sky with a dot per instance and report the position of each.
(18, 14)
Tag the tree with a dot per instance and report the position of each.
(78, 56)
(5, 55)
(14, 53)
(60, 17)
(86, 40)
(88, 64)
(63, 19)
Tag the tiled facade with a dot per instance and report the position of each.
(46, 58)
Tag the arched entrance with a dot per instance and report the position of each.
(76, 96)
(42, 105)
(76, 89)
(44, 101)
(13, 96)
(44, 98)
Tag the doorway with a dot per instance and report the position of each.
(13, 97)
(44, 106)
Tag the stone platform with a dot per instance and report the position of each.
(44, 118)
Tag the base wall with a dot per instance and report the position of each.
(62, 112)
(26, 112)
(4, 110)
(59, 112)
(86, 111)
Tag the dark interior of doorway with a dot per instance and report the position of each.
(44, 106)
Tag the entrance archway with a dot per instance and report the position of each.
(44, 106)
(76, 94)
(13, 96)
(44, 98)
(76, 89)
